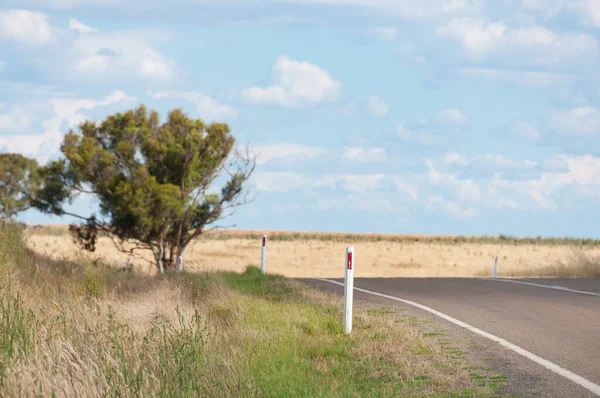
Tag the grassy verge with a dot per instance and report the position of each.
(83, 329)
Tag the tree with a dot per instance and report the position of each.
(19, 179)
(157, 185)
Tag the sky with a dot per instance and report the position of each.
(460, 117)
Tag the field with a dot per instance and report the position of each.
(73, 327)
(321, 255)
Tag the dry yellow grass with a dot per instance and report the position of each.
(76, 329)
(324, 258)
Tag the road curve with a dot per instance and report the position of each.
(558, 325)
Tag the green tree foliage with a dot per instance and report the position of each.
(157, 184)
(19, 179)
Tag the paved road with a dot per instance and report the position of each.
(560, 326)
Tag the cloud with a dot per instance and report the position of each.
(295, 84)
(493, 163)
(74, 3)
(383, 32)
(120, 54)
(411, 190)
(582, 121)
(588, 11)
(433, 131)
(406, 9)
(467, 189)
(81, 28)
(525, 78)
(415, 137)
(67, 111)
(359, 154)
(361, 182)
(154, 66)
(525, 130)
(25, 27)
(277, 181)
(451, 117)
(452, 208)
(580, 177)
(286, 152)
(210, 109)
(377, 107)
(517, 46)
(15, 120)
(207, 107)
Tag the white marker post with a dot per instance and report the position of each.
(263, 259)
(180, 264)
(348, 288)
(495, 267)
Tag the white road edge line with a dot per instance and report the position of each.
(564, 289)
(588, 385)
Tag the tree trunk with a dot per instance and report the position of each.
(158, 256)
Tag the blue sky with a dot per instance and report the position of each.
(392, 116)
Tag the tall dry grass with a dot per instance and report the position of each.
(576, 264)
(77, 328)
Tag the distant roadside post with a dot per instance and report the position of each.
(263, 259)
(495, 267)
(348, 288)
(180, 264)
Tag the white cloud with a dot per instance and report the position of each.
(210, 109)
(411, 190)
(451, 117)
(93, 63)
(383, 32)
(361, 182)
(525, 130)
(530, 45)
(120, 54)
(530, 79)
(420, 137)
(582, 121)
(377, 107)
(73, 3)
(207, 107)
(359, 154)
(594, 11)
(66, 111)
(26, 27)
(487, 161)
(80, 27)
(467, 189)
(286, 152)
(276, 181)
(154, 66)
(452, 208)
(581, 177)
(588, 11)
(456, 159)
(15, 120)
(295, 84)
(408, 9)
(434, 130)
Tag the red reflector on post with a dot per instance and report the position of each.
(264, 243)
(349, 260)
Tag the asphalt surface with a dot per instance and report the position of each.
(560, 326)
